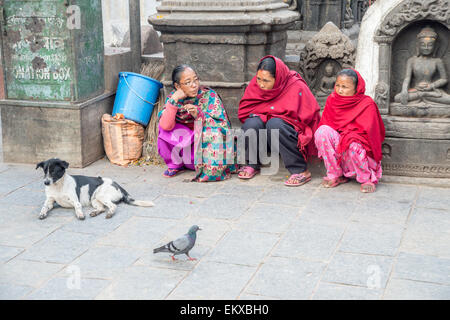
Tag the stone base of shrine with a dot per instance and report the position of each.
(34, 131)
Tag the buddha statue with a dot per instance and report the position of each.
(327, 82)
(418, 85)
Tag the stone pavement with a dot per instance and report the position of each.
(260, 240)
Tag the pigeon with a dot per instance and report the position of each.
(182, 245)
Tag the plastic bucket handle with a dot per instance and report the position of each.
(132, 90)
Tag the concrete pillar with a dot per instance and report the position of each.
(54, 73)
(135, 34)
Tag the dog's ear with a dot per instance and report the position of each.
(64, 164)
(40, 164)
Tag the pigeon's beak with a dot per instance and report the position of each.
(199, 228)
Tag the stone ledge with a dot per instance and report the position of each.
(433, 182)
(77, 105)
(417, 128)
(155, 57)
(33, 131)
(421, 110)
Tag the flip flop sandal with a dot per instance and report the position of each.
(331, 183)
(297, 179)
(169, 173)
(249, 170)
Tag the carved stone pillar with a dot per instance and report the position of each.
(316, 13)
(222, 40)
(382, 89)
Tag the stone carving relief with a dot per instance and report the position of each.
(415, 10)
(381, 95)
(361, 8)
(349, 18)
(412, 90)
(316, 13)
(292, 4)
(416, 170)
(424, 87)
(386, 149)
(423, 66)
(326, 78)
(323, 57)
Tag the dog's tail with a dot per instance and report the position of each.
(140, 203)
(129, 200)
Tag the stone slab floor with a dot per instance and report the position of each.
(260, 240)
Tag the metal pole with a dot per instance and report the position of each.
(135, 34)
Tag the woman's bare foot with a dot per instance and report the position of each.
(331, 183)
(368, 187)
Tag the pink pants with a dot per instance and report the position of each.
(354, 161)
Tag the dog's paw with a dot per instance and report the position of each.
(82, 217)
(109, 216)
(93, 214)
(42, 216)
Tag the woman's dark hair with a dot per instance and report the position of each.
(349, 73)
(176, 73)
(268, 64)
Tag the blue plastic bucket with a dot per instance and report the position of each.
(136, 96)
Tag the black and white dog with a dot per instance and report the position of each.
(78, 191)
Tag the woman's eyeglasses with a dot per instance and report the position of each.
(190, 82)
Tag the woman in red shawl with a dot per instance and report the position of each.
(350, 134)
(279, 100)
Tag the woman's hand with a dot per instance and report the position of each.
(192, 109)
(178, 95)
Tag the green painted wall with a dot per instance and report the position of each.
(45, 58)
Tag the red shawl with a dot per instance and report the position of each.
(356, 118)
(289, 100)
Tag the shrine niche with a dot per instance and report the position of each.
(326, 78)
(419, 83)
(413, 91)
(324, 56)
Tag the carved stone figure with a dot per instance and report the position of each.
(349, 18)
(413, 10)
(386, 149)
(328, 47)
(326, 86)
(362, 6)
(292, 4)
(381, 95)
(421, 69)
